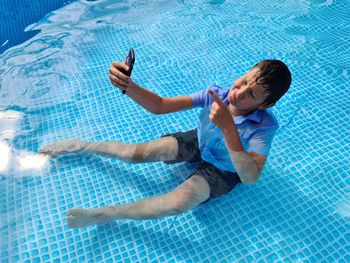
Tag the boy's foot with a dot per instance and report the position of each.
(63, 147)
(85, 217)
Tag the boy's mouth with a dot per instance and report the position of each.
(232, 96)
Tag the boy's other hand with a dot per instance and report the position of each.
(219, 114)
(117, 78)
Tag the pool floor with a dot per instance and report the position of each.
(55, 86)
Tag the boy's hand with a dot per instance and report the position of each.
(117, 78)
(219, 113)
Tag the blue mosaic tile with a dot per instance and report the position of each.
(58, 81)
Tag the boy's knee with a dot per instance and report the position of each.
(183, 202)
(166, 205)
(179, 206)
(163, 149)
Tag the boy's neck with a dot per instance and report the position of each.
(236, 112)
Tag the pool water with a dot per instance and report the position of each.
(55, 86)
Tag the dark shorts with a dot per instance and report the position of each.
(220, 182)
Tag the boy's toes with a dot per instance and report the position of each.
(62, 147)
(71, 218)
(46, 150)
(77, 217)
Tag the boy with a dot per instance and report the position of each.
(231, 142)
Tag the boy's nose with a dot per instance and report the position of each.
(241, 94)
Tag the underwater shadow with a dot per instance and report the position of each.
(152, 239)
(123, 176)
(158, 235)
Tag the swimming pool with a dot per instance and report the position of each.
(55, 86)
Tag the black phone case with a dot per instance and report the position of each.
(130, 60)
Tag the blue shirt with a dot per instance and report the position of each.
(255, 130)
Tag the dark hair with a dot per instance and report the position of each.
(275, 77)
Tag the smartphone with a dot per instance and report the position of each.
(129, 60)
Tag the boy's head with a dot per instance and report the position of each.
(261, 87)
(275, 77)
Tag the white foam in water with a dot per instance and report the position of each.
(13, 162)
(10, 123)
(30, 161)
(5, 153)
(22, 163)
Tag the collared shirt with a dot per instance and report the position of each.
(255, 130)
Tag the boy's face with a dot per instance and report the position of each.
(246, 95)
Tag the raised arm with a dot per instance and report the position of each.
(145, 98)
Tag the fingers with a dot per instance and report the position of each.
(118, 82)
(211, 117)
(117, 78)
(214, 111)
(216, 98)
(215, 106)
(117, 73)
(121, 65)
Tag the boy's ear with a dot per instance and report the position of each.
(264, 106)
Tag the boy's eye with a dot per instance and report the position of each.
(252, 95)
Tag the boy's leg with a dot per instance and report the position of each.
(162, 149)
(194, 191)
